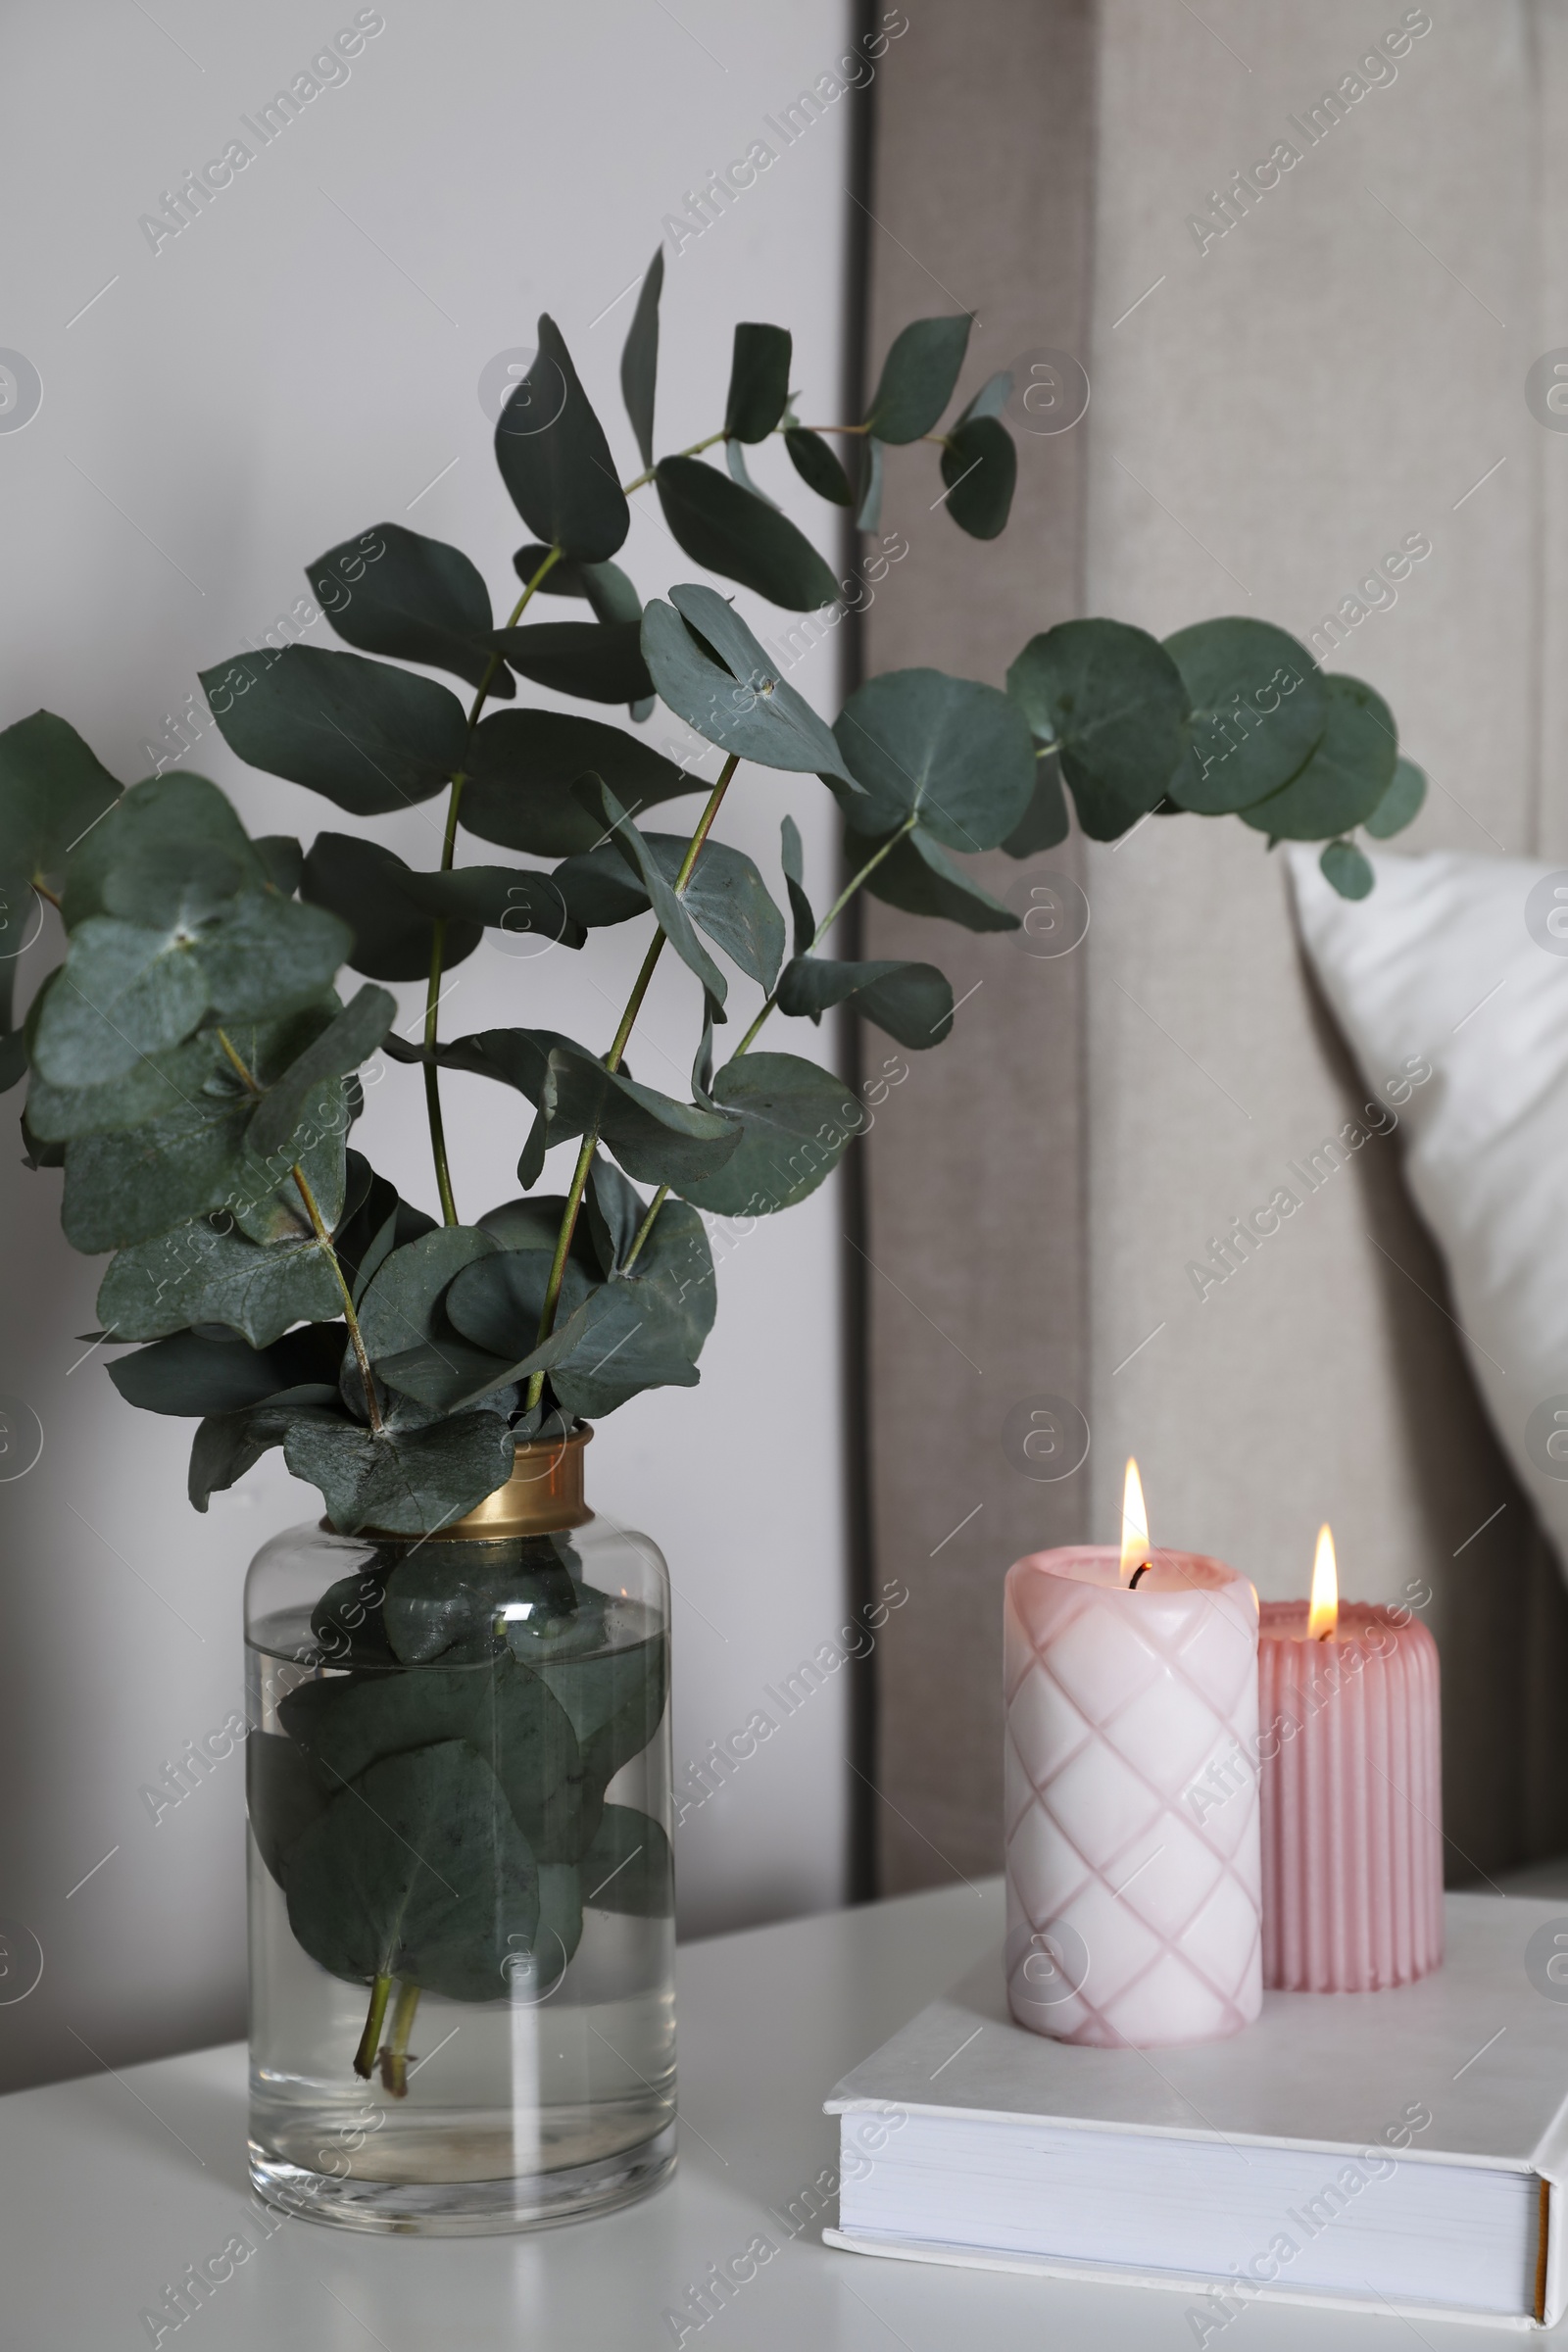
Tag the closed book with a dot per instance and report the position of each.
(1399, 2151)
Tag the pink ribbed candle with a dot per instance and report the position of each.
(1351, 1784)
(1132, 1910)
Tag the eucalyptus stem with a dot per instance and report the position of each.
(828, 920)
(634, 1005)
(319, 1228)
(395, 2056)
(365, 2055)
(438, 934)
(641, 482)
(645, 1228)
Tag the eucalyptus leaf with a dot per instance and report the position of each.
(417, 1870)
(818, 466)
(629, 1867)
(306, 1086)
(420, 601)
(605, 585)
(497, 1301)
(227, 1444)
(980, 467)
(616, 1701)
(282, 1797)
(725, 896)
(509, 1719)
(954, 752)
(991, 398)
(171, 825)
(408, 1481)
(523, 764)
(401, 1305)
(53, 790)
(282, 862)
(615, 1210)
(793, 859)
(554, 460)
(370, 737)
(194, 1375)
(394, 909)
(156, 1086)
(917, 379)
(918, 877)
(1044, 822)
(1347, 869)
(712, 673)
(869, 514)
(674, 919)
(1346, 776)
(595, 662)
(796, 1121)
(730, 532)
(911, 1002)
(639, 361)
(1112, 701)
(758, 382)
(1402, 804)
(644, 1328)
(198, 1275)
(740, 474)
(1259, 711)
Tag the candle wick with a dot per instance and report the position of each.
(1132, 1585)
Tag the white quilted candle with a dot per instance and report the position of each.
(1133, 1894)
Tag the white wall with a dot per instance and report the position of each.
(299, 364)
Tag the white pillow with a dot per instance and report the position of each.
(1462, 963)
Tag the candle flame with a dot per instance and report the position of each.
(1323, 1610)
(1134, 1523)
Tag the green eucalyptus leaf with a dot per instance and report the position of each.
(498, 1302)
(169, 826)
(598, 664)
(918, 877)
(1044, 822)
(818, 466)
(53, 791)
(758, 382)
(1346, 775)
(911, 1002)
(712, 673)
(227, 1444)
(869, 515)
(282, 862)
(1113, 701)
(126, 1187)
(644, 1328)
(420, 601)
(417, 1870)
(370, 737)
(671, 913)
(991, 398)
(732, 531)
(726, 897)
(523, 764)
(393, 910)
(533, 1223)
(265, 956)
(308, 1088)
(124, 990)
(639, 359)
(629, 1867)
(954, 752)
(193, 1374)
(1400, 805)
(504, 1713)
(554, 460)
(615, 1210)
(656, 1139)
(282, 1797)
(605, 585)
(917, 379)
(408, 1481)
(795, 1120)
(739, 473)
(616, 1701)
(1347, 869)
(793, 859)
(980, 467)
(1259, 711)
(401, 1305)
(198, 1275)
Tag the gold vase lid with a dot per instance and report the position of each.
(543, 1495)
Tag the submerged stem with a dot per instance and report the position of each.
(365, 2055)
(395, 2056)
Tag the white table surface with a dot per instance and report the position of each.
(112, 2185)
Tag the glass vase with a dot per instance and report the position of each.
(461, 1917)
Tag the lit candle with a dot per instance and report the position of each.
(1130, 1674)
(1351, 1783)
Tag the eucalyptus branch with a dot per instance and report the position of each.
(828, 920)
(438, 933)
(641, 482)
(634, 1004)
(645, 1228)
(319, 1228)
